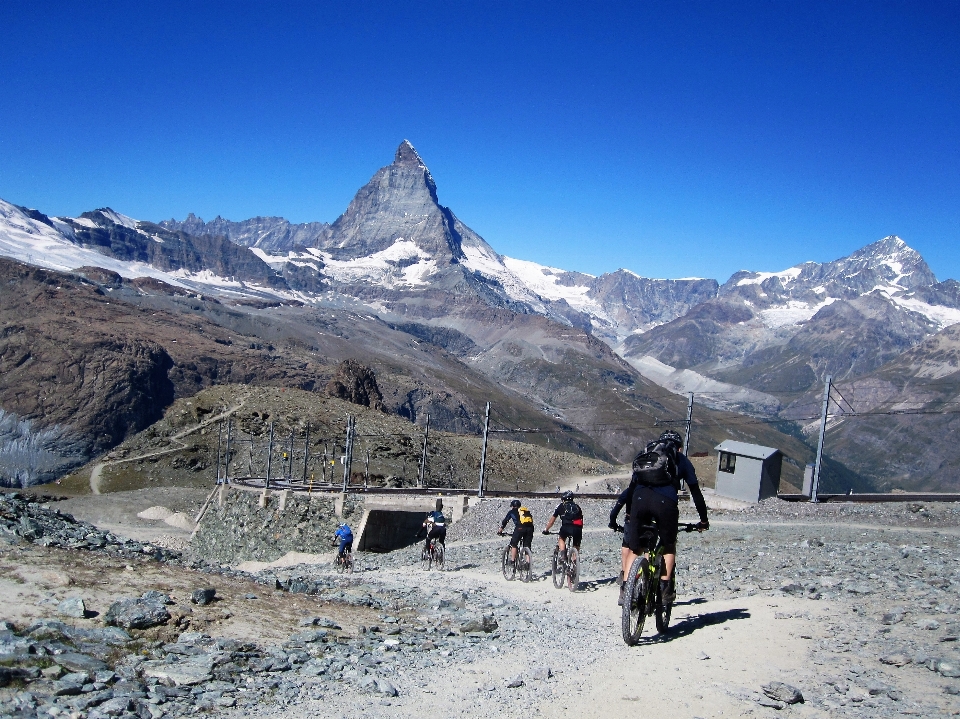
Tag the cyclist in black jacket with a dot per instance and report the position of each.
(571, 521)
(659, 506)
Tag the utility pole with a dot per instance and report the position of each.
(815, 485)
(226, 459)
(483, 454)
(269, 457)
(423, 456)
(686, 434)
(688, 424)
(219, 439)
(347, 450)
(306, 453)
(366, 470)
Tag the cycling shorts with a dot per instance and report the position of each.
(575, 532)
(651, 507)
(439, 533)
(522, 533)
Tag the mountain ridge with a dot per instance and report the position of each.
(585, 350)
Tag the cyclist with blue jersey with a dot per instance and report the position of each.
(344, 535)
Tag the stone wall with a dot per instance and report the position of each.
(236, 528)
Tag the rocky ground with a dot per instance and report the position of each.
(855, 607)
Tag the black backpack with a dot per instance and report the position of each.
(656, 466)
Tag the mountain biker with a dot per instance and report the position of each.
(571, 521)
(522, 527)
(658, 504)
(345, 536)
(436, 525)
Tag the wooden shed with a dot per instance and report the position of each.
(748, 472)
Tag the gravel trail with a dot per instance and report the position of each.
(763, 598)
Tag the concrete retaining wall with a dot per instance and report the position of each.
(242, 525)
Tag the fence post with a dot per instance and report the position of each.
(219, 440)
(226, 459)
(348, 446)
(483, 454)
(815, 485)
(266, 484)
(290, 461)
(306, 452)
(423, 456)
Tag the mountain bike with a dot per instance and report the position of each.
(432, 555)
(566, 565)
(345, 563)
(520, 565)
(642, 595)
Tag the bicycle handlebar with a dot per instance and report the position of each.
(686, 527)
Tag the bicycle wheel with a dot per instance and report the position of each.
(559, 569)
(509, 568)
(525, 558)
(425, 559)
(573, 568)
(338, 564)
(438, 556)
(662, 610)
(634, 612)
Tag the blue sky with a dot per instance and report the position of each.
(673, 139)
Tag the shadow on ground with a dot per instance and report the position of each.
(687, 626)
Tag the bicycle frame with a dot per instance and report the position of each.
(642, 591)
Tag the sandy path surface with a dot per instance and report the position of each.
(690, 675)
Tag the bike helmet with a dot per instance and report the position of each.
(515, 504)
(673, 437)
(567, 496)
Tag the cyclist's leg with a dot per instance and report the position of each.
(442, 535)
(527, 538)
(562, 539)
(515, 542)
(577, 536)
(632, 537)
(667, 519)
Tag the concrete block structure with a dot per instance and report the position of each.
(748, 472)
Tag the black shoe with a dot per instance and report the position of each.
(623, 590)
(667, 592)
(620, 579)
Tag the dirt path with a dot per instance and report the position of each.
(703, 670)
(99, 467)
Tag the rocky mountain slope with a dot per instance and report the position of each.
(88, 359)
(398, 277)
(781, 333)
(180, 450)
(894, 425)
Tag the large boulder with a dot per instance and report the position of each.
(140, 613)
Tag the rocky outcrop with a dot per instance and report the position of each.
(356, 384)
